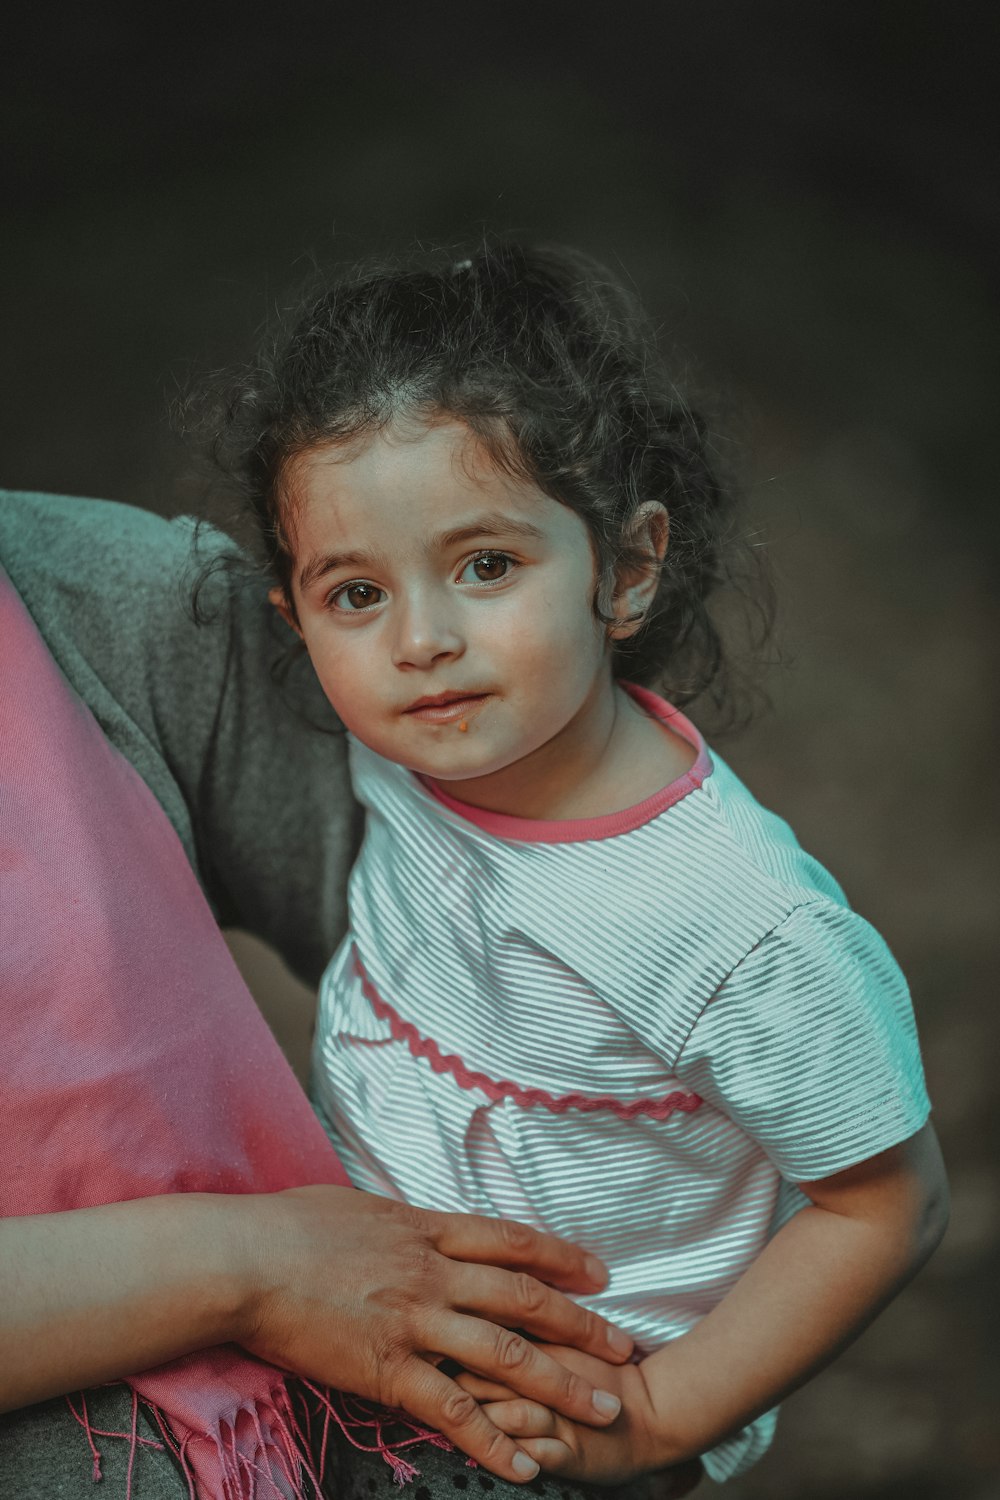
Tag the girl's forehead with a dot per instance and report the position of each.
(408, 451)
(405, 450)
(411, 477)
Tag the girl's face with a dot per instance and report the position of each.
(448, 612)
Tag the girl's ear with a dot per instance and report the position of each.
(638, 581)
(279, 599)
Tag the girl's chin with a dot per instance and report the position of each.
(449, 755)
(461, 775)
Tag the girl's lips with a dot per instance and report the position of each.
(444, 713)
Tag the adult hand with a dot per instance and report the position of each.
(370, 1295)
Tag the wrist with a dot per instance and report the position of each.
(281, 1246)
(228, 1230)
(672, 1439)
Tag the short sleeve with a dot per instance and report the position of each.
(810, 1045)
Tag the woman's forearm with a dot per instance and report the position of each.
(97, 1293)
(347, 1288)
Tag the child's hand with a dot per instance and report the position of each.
(633, 1446)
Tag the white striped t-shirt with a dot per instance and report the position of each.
(637, 1031)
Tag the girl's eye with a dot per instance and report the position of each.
(488, 567)
(356, 596)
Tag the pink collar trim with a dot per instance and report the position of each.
(607, 825)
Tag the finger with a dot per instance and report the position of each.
(550, 1454)
(521, 1419)
(484, 1390)
(500, 1355)
(519, 1300)
(506, 1242)
(432, 1398)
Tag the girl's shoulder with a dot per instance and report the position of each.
(749, 842)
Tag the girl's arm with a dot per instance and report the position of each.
(331, 1283)
(820, 1281)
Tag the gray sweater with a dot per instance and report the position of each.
(233, 736)
(246, 759)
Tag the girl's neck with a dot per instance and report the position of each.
(617, 757)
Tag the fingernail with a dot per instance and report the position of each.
(619, 1341)
(606, 1404)
(595, 1270)
(523, 1466)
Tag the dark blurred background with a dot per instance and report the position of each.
(804, 195)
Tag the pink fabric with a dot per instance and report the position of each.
(527, 1098)
(607, 825)
(135, 1061)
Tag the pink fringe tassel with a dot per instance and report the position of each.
(277, 1465)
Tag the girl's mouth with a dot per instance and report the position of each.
(445, 708)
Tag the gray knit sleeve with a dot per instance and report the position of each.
(244, 756)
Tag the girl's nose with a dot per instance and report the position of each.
(426, 632)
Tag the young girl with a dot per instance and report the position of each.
(589, 982)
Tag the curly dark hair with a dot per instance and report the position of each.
(551, 362)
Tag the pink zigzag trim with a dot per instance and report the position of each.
(425, 1047)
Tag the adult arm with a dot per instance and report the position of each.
(205, 713)
(339, 1286)
(97, 1293)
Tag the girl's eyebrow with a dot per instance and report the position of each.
(326, 562)
(495, 525)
